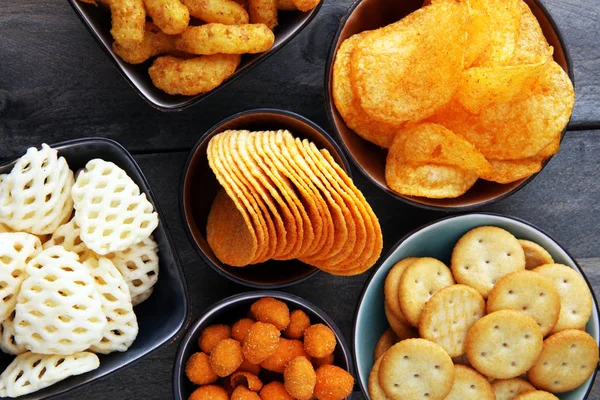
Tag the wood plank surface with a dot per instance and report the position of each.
(56, 83)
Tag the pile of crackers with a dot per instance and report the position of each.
(503, 322)
(282, 198)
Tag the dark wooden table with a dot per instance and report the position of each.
(56, 84)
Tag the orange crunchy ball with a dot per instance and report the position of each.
(319, 362)
(210, 392)
(198, 369)
(299, 378)
(319, 341)
(333, 383)
(274, 391)
(243, 393)
(247, 366)
(299, 321)
(226, 357)
(271, 311)
(247, 379)
(261, 342)
(286, 350)
(240, 329)
(211, 336)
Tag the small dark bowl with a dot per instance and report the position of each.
(166, 312)
(97, 21)
(370, 158)
(199, 188)
(233, 308)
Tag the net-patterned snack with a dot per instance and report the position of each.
(68, 236)
(4, 228)
(110, 210)
(35, 196)
(31, 372)
(122, 327)
(16, 250)
(139, 266)
(59, 310)
(8, 343)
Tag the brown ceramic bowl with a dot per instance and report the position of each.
(97, 22)
(370, 158)
(199, 188)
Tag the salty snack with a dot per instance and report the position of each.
(30, 372)
(470, 385)
(69, 237)
(482, 70)
(35, 197)
(386, 340)
(535, 255)
(504, 344)
(110, 210)
(508, 389)
(220, 31)
(416, 368)
(567, 360)
(254, 361)
(375, 390)
(402, 329)
(575, 297)
(299, 321)
(536, 395)
(212, 392)
(392, 284)
(8, 343)
(282, 199)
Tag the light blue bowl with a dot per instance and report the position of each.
(437, 240)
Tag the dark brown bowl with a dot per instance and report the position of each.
(97, 22)
(233, 308)
(370, 158)
(199, 188)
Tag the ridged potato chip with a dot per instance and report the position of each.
(16, 250)
(58, 310)
(139, 266)
(121, 322)
(35, 197)
(30, 372)
(110, 210)
(348, 104)
(518, 129)
(392, 71)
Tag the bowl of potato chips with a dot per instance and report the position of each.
(176, 53)
(483, 295)
(449, 104)
(268, 200)
(265, 342)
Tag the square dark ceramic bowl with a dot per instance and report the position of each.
(199, 188)
(369, 158)
(236, 307)
(166, 312)
(97, 21)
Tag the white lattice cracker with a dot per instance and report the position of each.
(122, 327)
(16, 250)
(8, 342)
(59, 310)
(139, 266)
(68, 236)
(30, 372)
(110, 210)
(35, 197)
(4, 228)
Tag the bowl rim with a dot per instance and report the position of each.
(192, 156)
(222, 305)
(192, 100)
(330, 106)
(179, 269)
(390, 253)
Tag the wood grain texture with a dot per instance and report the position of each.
(57, 84)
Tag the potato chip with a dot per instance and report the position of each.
(392, 66)
(482, 87)
(507, 171)
(518, 129)
(348, 104)
(504, 32)
(531, 46)
(273, 231)
(433, 144)
(31, 372)
(478, 34)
